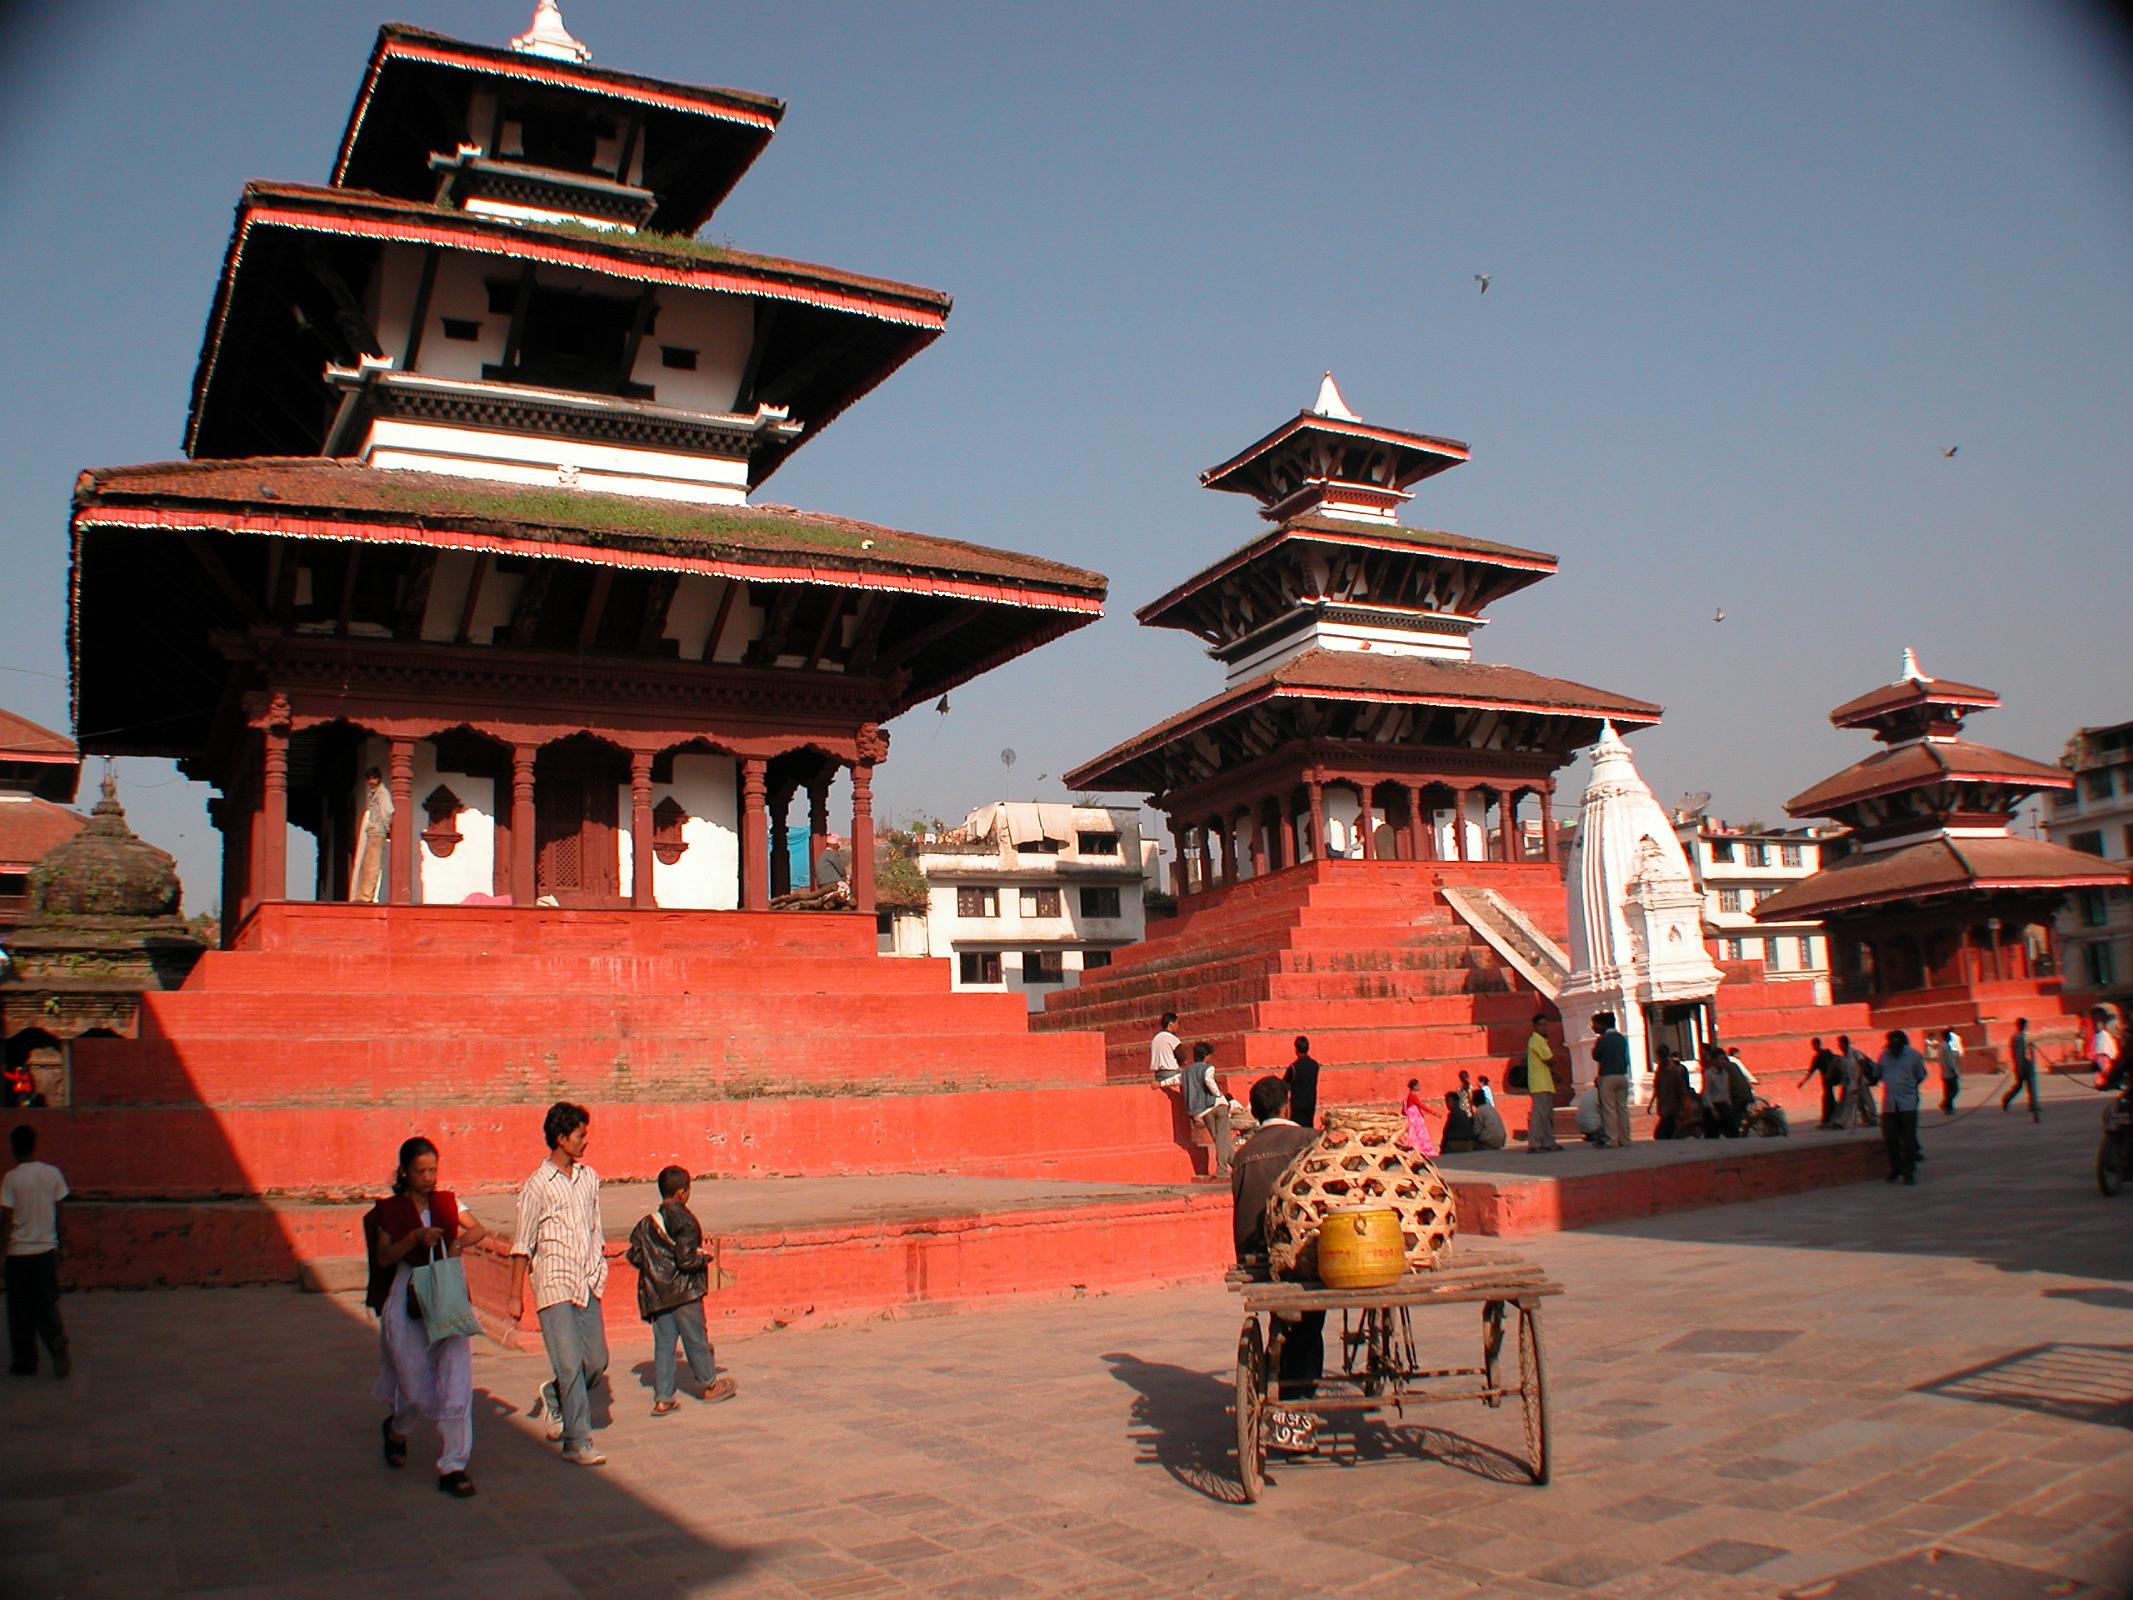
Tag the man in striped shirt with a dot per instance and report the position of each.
(559, 1245)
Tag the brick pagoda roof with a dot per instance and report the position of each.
(1913, 766)
(1360, 676)
(1938, 868)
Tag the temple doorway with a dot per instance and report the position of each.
(577, 788)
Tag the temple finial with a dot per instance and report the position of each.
(1329, 402)
(548, 37)
(1912, 672)
(111, 787)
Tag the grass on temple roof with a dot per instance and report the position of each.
(670, 244)
(582, 509)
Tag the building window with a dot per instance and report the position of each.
(977, 903)
(2065, 800)
(1721, 849)
(1037, 847)
(1096, 844)
(1758, 855)
(2097, 785)
(1092, 959)
(2099, 960)
(1729, 900)
(2094, 911)
(1774, 955)
(464, 329)
(1733, 949)
(1043, 966)
(1040, 902)
(2089, 844)
(1099, 902)
(1807, 952)
(1789, 855)
(677, 358)
(981, 966)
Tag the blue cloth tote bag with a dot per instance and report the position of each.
(441, 1291)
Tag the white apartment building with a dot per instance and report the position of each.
(1734, 867)
(2096, 817)
(1026, 896)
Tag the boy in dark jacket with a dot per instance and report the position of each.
(673, 1276)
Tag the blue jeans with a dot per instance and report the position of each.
(576, 1340)
(685, 1323)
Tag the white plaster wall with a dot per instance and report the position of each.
(692, 611)
(502, 457)
(448, 594)
(471, 867)
(719, 328)
(707, 877)
(1343, 816)
(744, 625)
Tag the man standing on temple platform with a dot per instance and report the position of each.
(1207, 1103)
(1540, 1089)
(559, 1244)
(1260, 1162)
(1301, 1075)
(1610, 1054)
(2022, 1061)
(1903, 1074)
(1824, 1064)
(29, 1223)
(374, 840)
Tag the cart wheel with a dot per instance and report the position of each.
(1533, 1391)
(1491, 1348)
(1251, 1410)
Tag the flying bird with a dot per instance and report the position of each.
(1949, 452)
(1721, 616)
(1482, 278)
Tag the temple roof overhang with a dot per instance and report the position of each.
(1937, 869)
(415, 98)
(168, 555)
(36, 760)
(1913, 766)
(1198, 604)
(1910, 694)
(1402, 702)
(260, 386)
(1312, 446)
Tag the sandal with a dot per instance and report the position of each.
(456, 1484)
(661, 1408)
(395, 1446)
(724, 1389)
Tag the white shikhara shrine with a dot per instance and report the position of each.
(1636, 924)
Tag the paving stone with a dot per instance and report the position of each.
(1728, 1556)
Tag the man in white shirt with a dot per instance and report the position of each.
(29, 1220)
(1163, 1053)
(560, 1246)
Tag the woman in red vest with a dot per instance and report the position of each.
(419, 1223)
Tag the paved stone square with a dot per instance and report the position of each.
(1864, 1392)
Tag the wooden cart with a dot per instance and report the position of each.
(1379, 1367)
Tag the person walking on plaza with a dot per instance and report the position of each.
(558, 1245)
(1540, 1089)
(2106, 1052)
(1860, 1081)
(418, 1377)
(1903, 1073)
(29, 1221)
(673, 1276)
(1163, 1053)
(1610, 1054)
(1671, 1096)
(1823, 1064)
(1261, 1160)
(1951, 1070)
(2022, 1062)
(1301, 1075)
(1721, 1116)
(1208, 1105)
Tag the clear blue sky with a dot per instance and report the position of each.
(1753, 267)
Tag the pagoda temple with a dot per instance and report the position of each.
(472, 444)
(1360, 779)
(1940, 914)
(39, 773)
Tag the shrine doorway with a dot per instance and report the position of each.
(577, 805)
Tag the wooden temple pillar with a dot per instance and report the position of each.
(1287, 823)
(641, 830)
(862, 845)
(1366, 818)
(780, 853)
(1547, 800)
(1460, 797)
(755, 837)
(1257, 817)
(1507, 820)
(818, 822)
(523, 889)
(1180, 875)
(1421, 843)
(1316, 789)
(272, 844)
(401, 780)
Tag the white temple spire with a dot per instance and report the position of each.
(1329, 402)
(548, 37)
(1912, 672)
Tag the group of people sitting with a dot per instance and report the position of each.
(1718, 1100)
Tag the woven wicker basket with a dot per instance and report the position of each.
(1362, 1158)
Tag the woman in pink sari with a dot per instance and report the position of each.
(1418, 1133)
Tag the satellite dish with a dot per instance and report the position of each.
(1007, 758)
(1692, 805)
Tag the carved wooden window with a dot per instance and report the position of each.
(1040, 902)
(443, 808)
(667, 819)
(977, 903)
